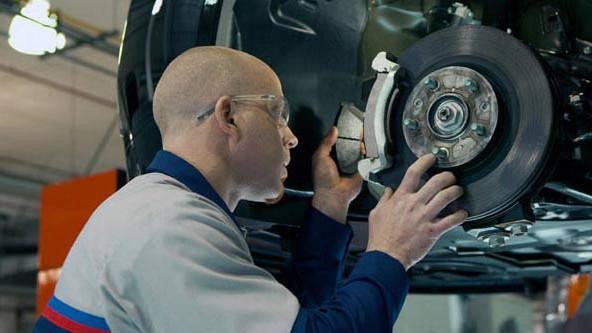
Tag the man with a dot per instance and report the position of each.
(164, 253)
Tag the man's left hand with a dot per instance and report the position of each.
(332, 193)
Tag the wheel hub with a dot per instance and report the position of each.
(447, 117)
(452, 113)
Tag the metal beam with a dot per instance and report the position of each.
(75, 59)
(87, 64)
(59, 86)
(38, 167)
(13, 290)
(19, 186)
(99, 43)
(17, 264)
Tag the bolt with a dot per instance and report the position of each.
(471, 85)
(440, 152)
(575, 98)
(484, 106)
(496, 240)
(519, 229)
(418, 103)
(479, 129)
(567, 117)
(411, 124)
(587, 50)
(431, 84)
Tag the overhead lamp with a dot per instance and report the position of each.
(33, 31)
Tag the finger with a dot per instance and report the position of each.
(327, 143)
(413, 175)
(435, 184)
(362, 144)
(443, 199)
(451, 221)
(386, 195)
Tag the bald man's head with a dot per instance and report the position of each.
(194, 81)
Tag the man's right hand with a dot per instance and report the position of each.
(404, 223)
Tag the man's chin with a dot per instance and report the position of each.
(277, 199)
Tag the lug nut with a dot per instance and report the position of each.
(587, 50)
(471, 85)
(431, 84)
(479, 129)
(440, 152)
(411, 124)
(418, 103)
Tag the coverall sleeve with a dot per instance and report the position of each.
(318, 259)
(368, 301)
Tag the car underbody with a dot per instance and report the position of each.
(499, 91)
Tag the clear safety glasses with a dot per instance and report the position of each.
(276, 107)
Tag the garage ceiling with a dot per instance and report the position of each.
(58, 118)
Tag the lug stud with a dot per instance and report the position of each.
(431, 84)
(411, 124)
(478, 129)
(440, 152)
(471, 85)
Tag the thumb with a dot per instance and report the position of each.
(354, 180)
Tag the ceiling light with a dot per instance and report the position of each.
(33, 31)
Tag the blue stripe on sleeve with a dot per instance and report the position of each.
(77, 315)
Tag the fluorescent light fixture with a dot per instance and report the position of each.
(34, 30)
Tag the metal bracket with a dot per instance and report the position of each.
(375, 118)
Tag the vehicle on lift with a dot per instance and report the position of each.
(499, 91)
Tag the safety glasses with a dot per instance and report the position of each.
(276, 107)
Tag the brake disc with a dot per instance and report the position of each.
(479, 100)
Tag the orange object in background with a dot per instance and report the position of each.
(579, 286)
(65, 208)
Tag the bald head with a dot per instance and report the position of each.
(194, 81)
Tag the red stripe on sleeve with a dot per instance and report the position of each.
(67, 324)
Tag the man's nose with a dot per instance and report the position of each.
(290, 140)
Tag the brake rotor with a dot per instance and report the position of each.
(498, 144)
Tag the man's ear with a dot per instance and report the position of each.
(224, 119)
